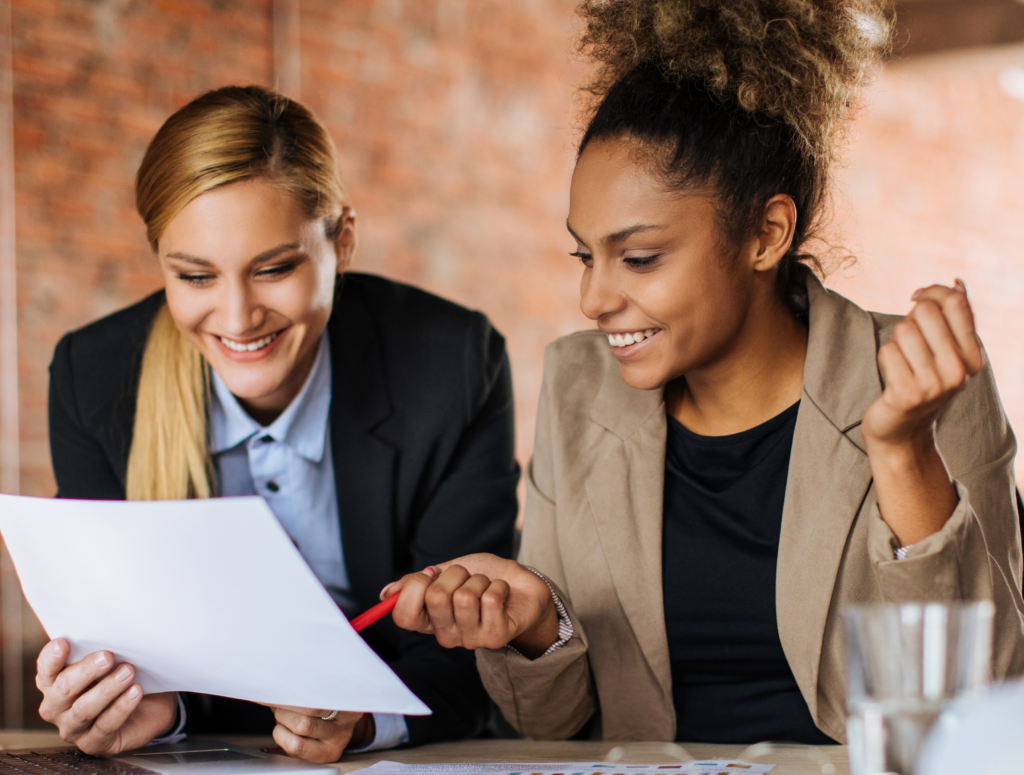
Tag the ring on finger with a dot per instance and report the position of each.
(331, 716)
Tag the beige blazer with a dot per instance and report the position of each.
(593, 526)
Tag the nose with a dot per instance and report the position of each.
(599, 294)
(240, 310)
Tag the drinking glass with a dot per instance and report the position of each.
(905, 664)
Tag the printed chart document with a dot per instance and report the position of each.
(203, 596)
(703, 767)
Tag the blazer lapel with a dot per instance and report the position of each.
(364, 464)
(829, 475)
(625, 491)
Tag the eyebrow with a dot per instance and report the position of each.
(266, 255)
(620, 235)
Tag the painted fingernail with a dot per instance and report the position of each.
(134, 692)
(124, 673)
(430, 570)
(101, 660)
(384, 592)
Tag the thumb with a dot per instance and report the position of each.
(395, 587)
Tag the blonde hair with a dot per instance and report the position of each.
(224, 136)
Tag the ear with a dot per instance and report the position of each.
(347, 240)
(775, 235)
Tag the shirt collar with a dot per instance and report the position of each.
(302, 425)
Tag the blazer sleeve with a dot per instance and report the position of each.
(553, 696)
(80, 463)
(977, 554)
(472, 509)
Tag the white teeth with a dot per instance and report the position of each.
(238, 347)
(623, 340)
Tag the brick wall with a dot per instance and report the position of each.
(933, 189)
(93, 81)
(452, 119)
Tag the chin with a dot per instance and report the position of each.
(642, 379)
(250, 389)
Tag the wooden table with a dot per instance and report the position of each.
(790, 762)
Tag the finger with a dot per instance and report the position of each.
(291, 743)
(466, 607)
(75, 679)
(440, 607)
(102, 734)
(945, 350)
(303, 724)
(305, 748)
(489, 565)
(918, 355)
(899, 379)
(51, 661)
(395, 587)
(86, 710)
(934, 292)
(956, 307)
(410, 611)
(960, 316)
(494, 629)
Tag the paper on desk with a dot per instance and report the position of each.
(206, 596)
(702, 767)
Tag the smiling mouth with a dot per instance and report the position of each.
(249, 347)
(624, 340)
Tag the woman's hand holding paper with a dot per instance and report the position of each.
(478, 601)
(95, 705)
(306, 734)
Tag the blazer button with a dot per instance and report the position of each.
(272, 486)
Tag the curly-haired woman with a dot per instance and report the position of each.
(738, 452)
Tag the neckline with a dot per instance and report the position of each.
(758, 430)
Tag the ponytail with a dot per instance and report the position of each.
(170, 455)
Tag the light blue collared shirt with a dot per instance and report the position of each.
(289, 463)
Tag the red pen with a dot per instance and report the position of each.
(381, 610)
(374, 614)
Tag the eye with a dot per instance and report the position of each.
(195, 279)
(640, 262)
(272, 272)
(585, 258)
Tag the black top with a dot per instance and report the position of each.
(423, 444)
(731, 682)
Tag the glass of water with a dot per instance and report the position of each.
(905, 664)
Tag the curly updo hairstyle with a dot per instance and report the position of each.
(745, 99)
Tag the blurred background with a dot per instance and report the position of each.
(456, 122)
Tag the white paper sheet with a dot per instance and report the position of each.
(703, 767)
(205, 596)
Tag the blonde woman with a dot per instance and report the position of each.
(374, 418)
(737, 452)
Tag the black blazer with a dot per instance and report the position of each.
(423, 444)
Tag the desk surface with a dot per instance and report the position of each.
(790, 762)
